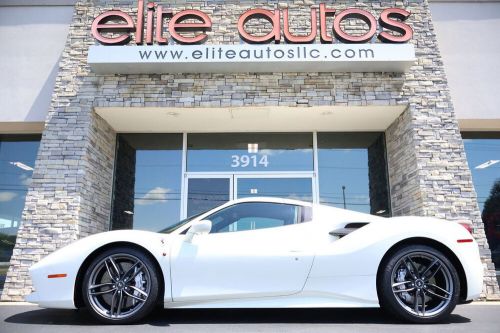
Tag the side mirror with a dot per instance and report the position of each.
(198, 228)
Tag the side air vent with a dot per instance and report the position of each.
(347, 229)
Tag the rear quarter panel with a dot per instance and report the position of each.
(346, 268)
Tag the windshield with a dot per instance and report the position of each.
(179, 224)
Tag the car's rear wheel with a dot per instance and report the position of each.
(419, 284)
(121, 286)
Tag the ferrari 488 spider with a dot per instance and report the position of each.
(267, 253)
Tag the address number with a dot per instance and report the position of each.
(243, 161)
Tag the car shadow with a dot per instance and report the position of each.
(161, 317)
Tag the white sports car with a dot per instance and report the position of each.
(267, 253)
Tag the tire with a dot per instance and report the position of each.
(423, 271)
(121, 286)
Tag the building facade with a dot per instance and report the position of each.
(92, 145)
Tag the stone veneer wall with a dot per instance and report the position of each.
(71, 190)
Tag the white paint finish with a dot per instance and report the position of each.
(470, 46)
(59, 292)
(32, 40)
(226, 270)
(251, 119)
(209, 58)
(234, 265)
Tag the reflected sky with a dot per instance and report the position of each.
(483, 156)
(17, 160)
(344, 167)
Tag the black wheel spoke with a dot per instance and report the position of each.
(412, 268)
(415, 302)
(404, 290)
(438, 288)
(120, 301)
(110, 273)
(422, 294)
(432, 269)
(143, 293)
(115, 267)
(134, 297)
(113, 303)
(137, 266)
(102, 292)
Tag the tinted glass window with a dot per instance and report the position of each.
(257, 215)
(147, 188)
(483, 156)
(250, 152)
(17, 161)
(353, 172)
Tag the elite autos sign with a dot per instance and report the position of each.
(339, 50)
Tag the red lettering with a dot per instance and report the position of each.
(359, 14)
(140, 22)
(272, 17)
(299, 39)
(386, 21)
(392, 19)
(175, 26)
(160, 14)
(323, 14)
(100, 24)
(149, 23)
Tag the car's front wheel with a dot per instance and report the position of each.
(419, 284)
(120, 286)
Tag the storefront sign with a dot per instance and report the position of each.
(251, 58)
(115, 27)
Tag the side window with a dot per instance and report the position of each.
(257, 215)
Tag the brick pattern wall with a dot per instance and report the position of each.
(71, 190)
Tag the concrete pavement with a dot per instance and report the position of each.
(476, 317)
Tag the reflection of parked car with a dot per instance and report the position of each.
(267, 253)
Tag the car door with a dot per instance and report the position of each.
(254, 249)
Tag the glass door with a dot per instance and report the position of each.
(205, 192)
(299, 187)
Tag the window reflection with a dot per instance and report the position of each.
(236, 152)
(352, 172)
(147, 188)
(483, 157)
(17, 160)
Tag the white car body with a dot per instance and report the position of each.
(299, 265)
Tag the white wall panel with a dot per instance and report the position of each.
(31, 42)
(469, 41)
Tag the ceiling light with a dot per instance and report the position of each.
(487, 164)
(21, 165)
(253, 148)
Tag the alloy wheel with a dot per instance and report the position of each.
(422, 284)
(119, 286)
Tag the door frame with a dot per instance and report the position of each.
(233, 182)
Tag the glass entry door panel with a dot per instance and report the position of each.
(207, 193)
(290, 188)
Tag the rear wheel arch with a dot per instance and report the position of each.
(432, 243)
(78, 297)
